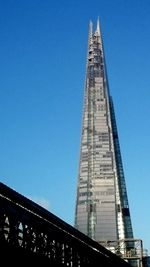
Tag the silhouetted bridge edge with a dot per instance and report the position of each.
(31, 234)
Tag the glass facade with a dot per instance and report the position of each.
(102, 210)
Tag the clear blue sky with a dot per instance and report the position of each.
(43, 48)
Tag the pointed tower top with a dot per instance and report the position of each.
(98, 26)
(90, 28)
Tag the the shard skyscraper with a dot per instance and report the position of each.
(102, 210)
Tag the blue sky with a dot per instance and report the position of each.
(43, 48)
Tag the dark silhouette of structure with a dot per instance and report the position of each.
(30, 235)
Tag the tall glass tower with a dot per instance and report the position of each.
(102, 210)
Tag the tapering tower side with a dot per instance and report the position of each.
(102, 210)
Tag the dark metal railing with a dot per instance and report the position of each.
(26, 226)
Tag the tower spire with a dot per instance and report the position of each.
(90, 32)
(98, 26)
(90, 29)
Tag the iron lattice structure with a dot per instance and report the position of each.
(30, 235)
(102, 209)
